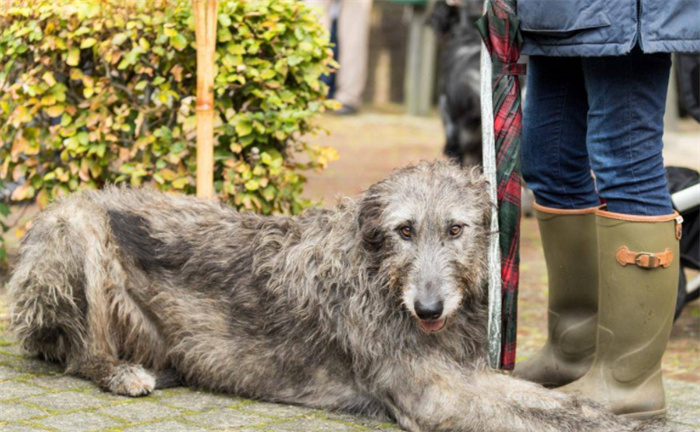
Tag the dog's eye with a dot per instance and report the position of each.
(406, 232)
(455, 230)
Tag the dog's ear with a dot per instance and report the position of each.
(443, 17)
(369, 219)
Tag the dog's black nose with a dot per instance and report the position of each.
(431, 311)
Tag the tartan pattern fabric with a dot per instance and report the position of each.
(499, 28)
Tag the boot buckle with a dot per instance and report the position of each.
(647, 260)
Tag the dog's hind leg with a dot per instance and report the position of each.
(61, 294)
(101, 361)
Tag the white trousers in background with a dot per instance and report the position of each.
(353, 43)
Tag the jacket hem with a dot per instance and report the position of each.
(576, 50)
(673, 46)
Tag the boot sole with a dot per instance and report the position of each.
(647, 415)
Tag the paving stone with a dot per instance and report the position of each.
(270, 428)
(314, 425)
(60, 382)
(7, 373)
(36, 366)
(278, 410)
(6, 358)
(93, 390)
(18, 427)
(347, 418)
(140, 411)
(676, 427)
(681, 392)
(684, 414)
(16, 389)
(15, 411)
(78, 422)
(66, 401)
(198, 401)
(169, 426)
(226, 418)
(11, 350)
(394, 428)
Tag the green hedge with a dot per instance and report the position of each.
(103, 91)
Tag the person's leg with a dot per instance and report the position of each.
(627, 98)
(637, 235)
(554, 155)
(555, 165)
(353, 44)
(324, 11)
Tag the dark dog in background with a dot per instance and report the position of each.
(459, 100)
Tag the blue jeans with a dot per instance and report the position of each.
(603, 114)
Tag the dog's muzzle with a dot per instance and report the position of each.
(430, 315)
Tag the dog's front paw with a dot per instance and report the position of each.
(132, 380)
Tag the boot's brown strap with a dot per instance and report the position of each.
(647, 260)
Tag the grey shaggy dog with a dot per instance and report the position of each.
(375, 307)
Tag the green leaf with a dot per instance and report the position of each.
(244, 126)
(83, 138)
(268, 74)
(252, 185)
(235, 49)
(144, 44)
(73, 56)
(294, 60)
(87, 43)
(55, 110)
(179, 41)
(49, 79)
(224, 20)
(119, 39)
(180, 183)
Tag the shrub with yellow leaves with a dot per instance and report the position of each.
(102, 91)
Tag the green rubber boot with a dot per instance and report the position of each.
(639, 268)
(571, 253)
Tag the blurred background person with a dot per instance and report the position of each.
(349, 21)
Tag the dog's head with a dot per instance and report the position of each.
(447, 15)
(426, 227)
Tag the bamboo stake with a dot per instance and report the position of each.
(205, 16)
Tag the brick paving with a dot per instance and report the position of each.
(36, 396)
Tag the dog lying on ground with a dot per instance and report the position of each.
(376, 307)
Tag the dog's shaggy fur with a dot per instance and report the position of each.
(127, 287)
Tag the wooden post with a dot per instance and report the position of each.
(205, 16)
